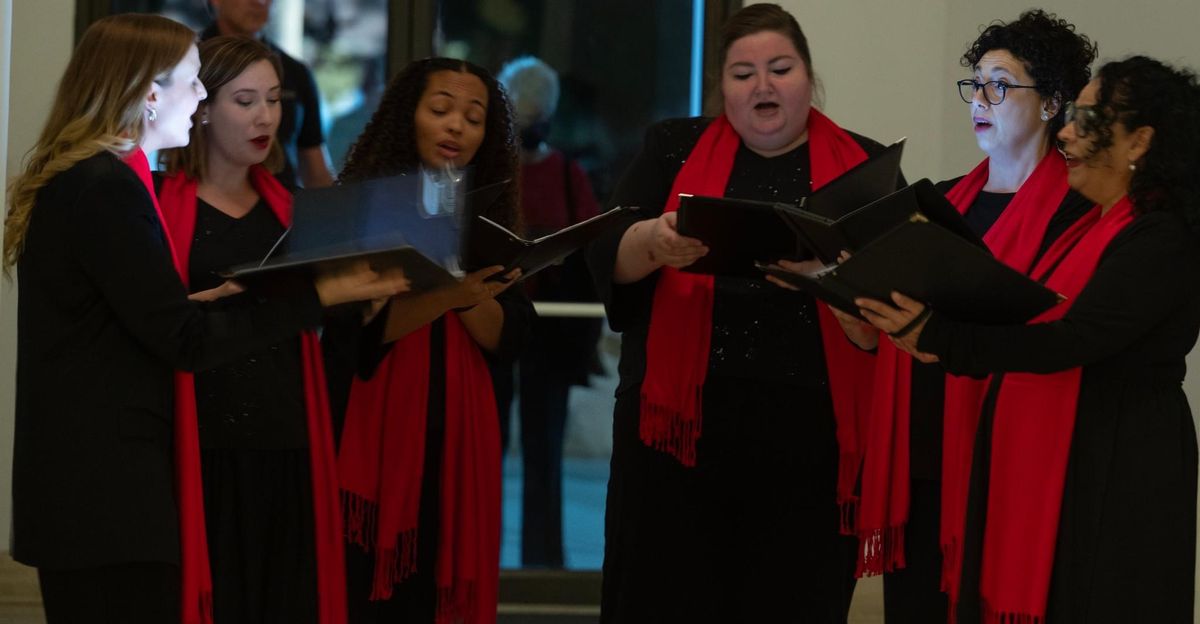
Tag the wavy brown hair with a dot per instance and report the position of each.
(99, 106)
(222, 60)
(388, 145)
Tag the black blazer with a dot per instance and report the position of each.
(103, 320)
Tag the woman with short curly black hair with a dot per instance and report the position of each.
(1082, 504)
(922, 427)
(419, 458)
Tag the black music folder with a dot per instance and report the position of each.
(385, 220)
(930, 254)
(740, 233)
(493, 244)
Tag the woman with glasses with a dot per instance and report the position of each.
(1083, 488)
(1017, 200)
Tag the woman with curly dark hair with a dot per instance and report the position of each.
(921, 435)
(419, 458)
(1082, 502)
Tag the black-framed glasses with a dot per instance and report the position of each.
(1087, 119)
(993, 90)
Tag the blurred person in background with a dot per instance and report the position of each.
(555, 193)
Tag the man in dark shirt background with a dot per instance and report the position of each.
(300, 133)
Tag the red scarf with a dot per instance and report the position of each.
(1031, 441)
(179, 212)
(1014, 240)
(678, 344)
(196, 582)
(381, 462)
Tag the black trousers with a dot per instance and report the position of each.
(913, 595)
(544, 392)
(130, 593)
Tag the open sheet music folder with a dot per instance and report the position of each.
(493, 244)
(740, 233)
(384, 220)
(930, 254)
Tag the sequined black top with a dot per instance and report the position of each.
(256, 402)
(759, 330)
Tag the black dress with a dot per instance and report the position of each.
(254, 448)
(750, 533)
(1127, 533)
(913, 594)
(352, 352)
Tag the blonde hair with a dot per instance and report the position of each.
(99, 106)
(222, 60)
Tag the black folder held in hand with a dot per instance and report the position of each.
(492, 244)
(385, 221)
(929, 254)
(740, 233)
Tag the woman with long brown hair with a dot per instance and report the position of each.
(267, 457)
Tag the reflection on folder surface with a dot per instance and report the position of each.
(385, 220)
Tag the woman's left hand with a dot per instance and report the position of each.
(902, 322)
(226, 289)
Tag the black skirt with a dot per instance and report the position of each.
(259, 512)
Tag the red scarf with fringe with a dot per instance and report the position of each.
(1031, 442)
(196, 576)
(678, 344)
(1014, 239)
(382, 457)
(179, 213)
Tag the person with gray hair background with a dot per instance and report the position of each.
(555, 193)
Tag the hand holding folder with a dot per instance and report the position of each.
(492, 244)
(925, 250)
(740, 233)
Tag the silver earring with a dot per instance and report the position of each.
(204, 121)
(1045, 115)
(152, 114)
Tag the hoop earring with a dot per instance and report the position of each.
(152, 114)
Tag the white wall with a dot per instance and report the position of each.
(35, 45)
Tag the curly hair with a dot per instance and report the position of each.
(1140, 91)
(388, 146)
(1057, 58)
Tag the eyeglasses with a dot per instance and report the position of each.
(1087, 119)
(993, 91)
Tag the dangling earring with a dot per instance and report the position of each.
(152, 114)
(1045, 115)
